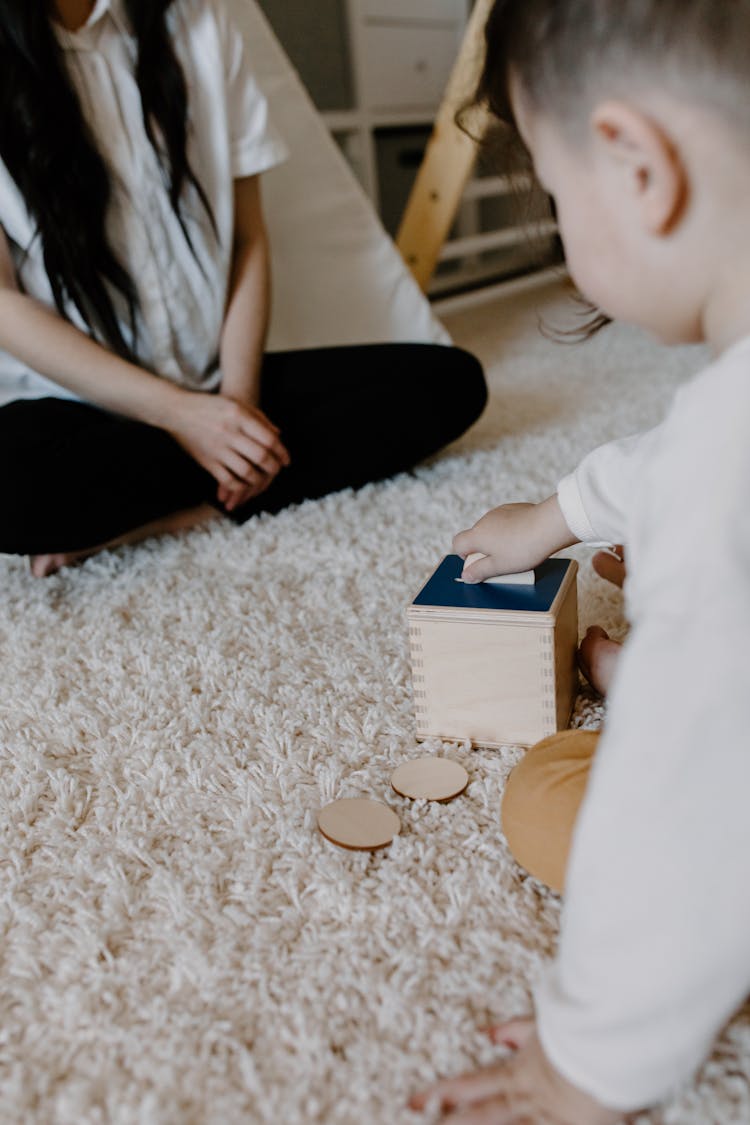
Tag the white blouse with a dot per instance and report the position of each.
(181, 300)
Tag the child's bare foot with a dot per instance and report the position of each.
(597, 658)
(610, 565)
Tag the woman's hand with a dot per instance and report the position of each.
(524, 1090)
(236, 443)
(513, 537)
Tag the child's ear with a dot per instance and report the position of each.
(655, 176)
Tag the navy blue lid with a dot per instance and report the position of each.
(443, 590)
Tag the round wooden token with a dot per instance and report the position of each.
(435, 779)
(359, 824)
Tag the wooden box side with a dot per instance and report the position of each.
(566, 645)
(492, 683)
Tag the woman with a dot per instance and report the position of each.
(135, 394)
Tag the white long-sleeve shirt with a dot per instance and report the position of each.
(654, 952)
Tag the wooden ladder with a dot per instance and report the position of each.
(448, 160)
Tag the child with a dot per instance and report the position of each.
(135, 396)
(637, 116)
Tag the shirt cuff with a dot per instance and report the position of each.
(573, 1073)
(574, 513)
(251, 159)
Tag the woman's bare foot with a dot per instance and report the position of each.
(610, 565)
(597, 658)
(42, 566)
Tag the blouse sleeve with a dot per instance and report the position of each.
(255, 144)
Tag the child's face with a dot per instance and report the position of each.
(615, 261)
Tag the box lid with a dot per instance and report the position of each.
(442, 590)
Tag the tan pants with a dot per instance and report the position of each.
(541, 802)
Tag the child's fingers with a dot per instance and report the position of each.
(461, 544)
(452, 1093)
(514, 1033)
(480, 569)
(495, 1111)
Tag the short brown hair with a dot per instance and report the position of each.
(563, 51)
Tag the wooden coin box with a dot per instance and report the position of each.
(494, 664)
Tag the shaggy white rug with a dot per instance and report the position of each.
(179, 944)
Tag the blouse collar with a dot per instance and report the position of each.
(85, 38)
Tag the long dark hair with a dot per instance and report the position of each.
(50, 152)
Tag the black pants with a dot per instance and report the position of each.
(74, 476)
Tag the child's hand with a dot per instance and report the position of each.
(237, 444)
(514, 537)
(525, 1088)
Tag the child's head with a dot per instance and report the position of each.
(637, 116)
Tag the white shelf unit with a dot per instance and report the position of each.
(388, 88)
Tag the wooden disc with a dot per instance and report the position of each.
(359, 824)
(435, 779)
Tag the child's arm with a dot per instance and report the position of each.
(591, 505)
(224, 437)
(513, 538)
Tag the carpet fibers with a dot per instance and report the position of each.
(179, 944)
